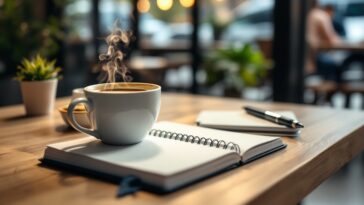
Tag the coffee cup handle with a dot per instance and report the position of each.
(72, 119)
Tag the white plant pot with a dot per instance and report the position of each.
(39, 96)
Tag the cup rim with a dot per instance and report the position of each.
(77, 90)
(91, 88)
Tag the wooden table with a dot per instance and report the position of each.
(345, 47)
(330, 139)
(327, 89)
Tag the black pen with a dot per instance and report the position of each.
(273, 117)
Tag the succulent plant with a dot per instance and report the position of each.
(37, 69)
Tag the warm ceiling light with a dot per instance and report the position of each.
(164, 4)
(187, 3)
(143, 6)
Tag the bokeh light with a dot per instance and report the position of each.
(143, 6)
(187, 3)
(164, 4)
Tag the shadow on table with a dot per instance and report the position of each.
(64, 129)
(20, 117)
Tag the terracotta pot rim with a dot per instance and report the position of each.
(38, 81)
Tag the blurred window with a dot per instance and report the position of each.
(355, 9)
(114, 13)
(78, 19)
(259, 17)
(252, 22)
(162, 22)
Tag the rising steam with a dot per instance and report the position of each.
(112, 61)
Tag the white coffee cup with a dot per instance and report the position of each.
(120, 113)
(78, 93)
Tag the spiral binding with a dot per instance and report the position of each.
(196, 140)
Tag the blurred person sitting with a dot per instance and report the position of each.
(321, 33)
(336, 19)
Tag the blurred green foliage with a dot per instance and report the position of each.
(37, 69)
(25, 32)
(236, 67)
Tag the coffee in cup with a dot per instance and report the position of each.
(120, 113)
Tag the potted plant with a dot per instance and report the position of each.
(236, 68)
(38, 81)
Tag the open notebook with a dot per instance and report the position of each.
(171, 156)
(244, 122)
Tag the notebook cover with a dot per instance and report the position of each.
(116, 179)
(145, 186)
(240, 121)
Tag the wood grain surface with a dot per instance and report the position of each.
(330, 139)
(345, 47)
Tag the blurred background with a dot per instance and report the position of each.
(265, 50)
(213, 47)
